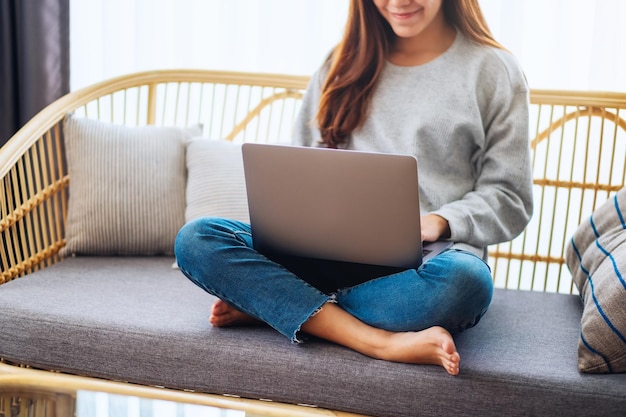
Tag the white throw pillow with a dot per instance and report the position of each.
(215, 180)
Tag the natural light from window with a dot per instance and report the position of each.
(561, 44)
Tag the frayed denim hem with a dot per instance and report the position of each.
(331, 299)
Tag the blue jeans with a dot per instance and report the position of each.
(453, 290)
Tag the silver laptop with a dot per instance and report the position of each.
(333, 204)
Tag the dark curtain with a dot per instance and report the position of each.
(34, 59)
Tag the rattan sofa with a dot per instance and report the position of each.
(137, 319)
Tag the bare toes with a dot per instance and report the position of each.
(451, 364)
(224, 315)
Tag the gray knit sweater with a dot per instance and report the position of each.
(464, 116)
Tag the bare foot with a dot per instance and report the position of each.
(433, 346)
(224, 315)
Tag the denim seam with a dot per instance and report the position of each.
(236, 234)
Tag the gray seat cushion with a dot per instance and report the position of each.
(139, 320)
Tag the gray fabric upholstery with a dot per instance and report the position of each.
(139, 320)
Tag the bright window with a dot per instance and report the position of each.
(561, 44)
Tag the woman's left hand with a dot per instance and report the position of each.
(434, 228)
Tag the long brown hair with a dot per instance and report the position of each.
(356, 62)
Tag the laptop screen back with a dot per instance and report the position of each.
(334, 204)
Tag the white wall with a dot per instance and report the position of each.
(114, 37)
(561, 44)
(564, 44)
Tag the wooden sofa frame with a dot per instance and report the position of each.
(578, 141)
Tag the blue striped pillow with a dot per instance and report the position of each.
(596, 256)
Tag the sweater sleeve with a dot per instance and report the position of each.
(500, 205)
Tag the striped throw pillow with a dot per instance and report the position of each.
(127, 187)
(596, 256)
